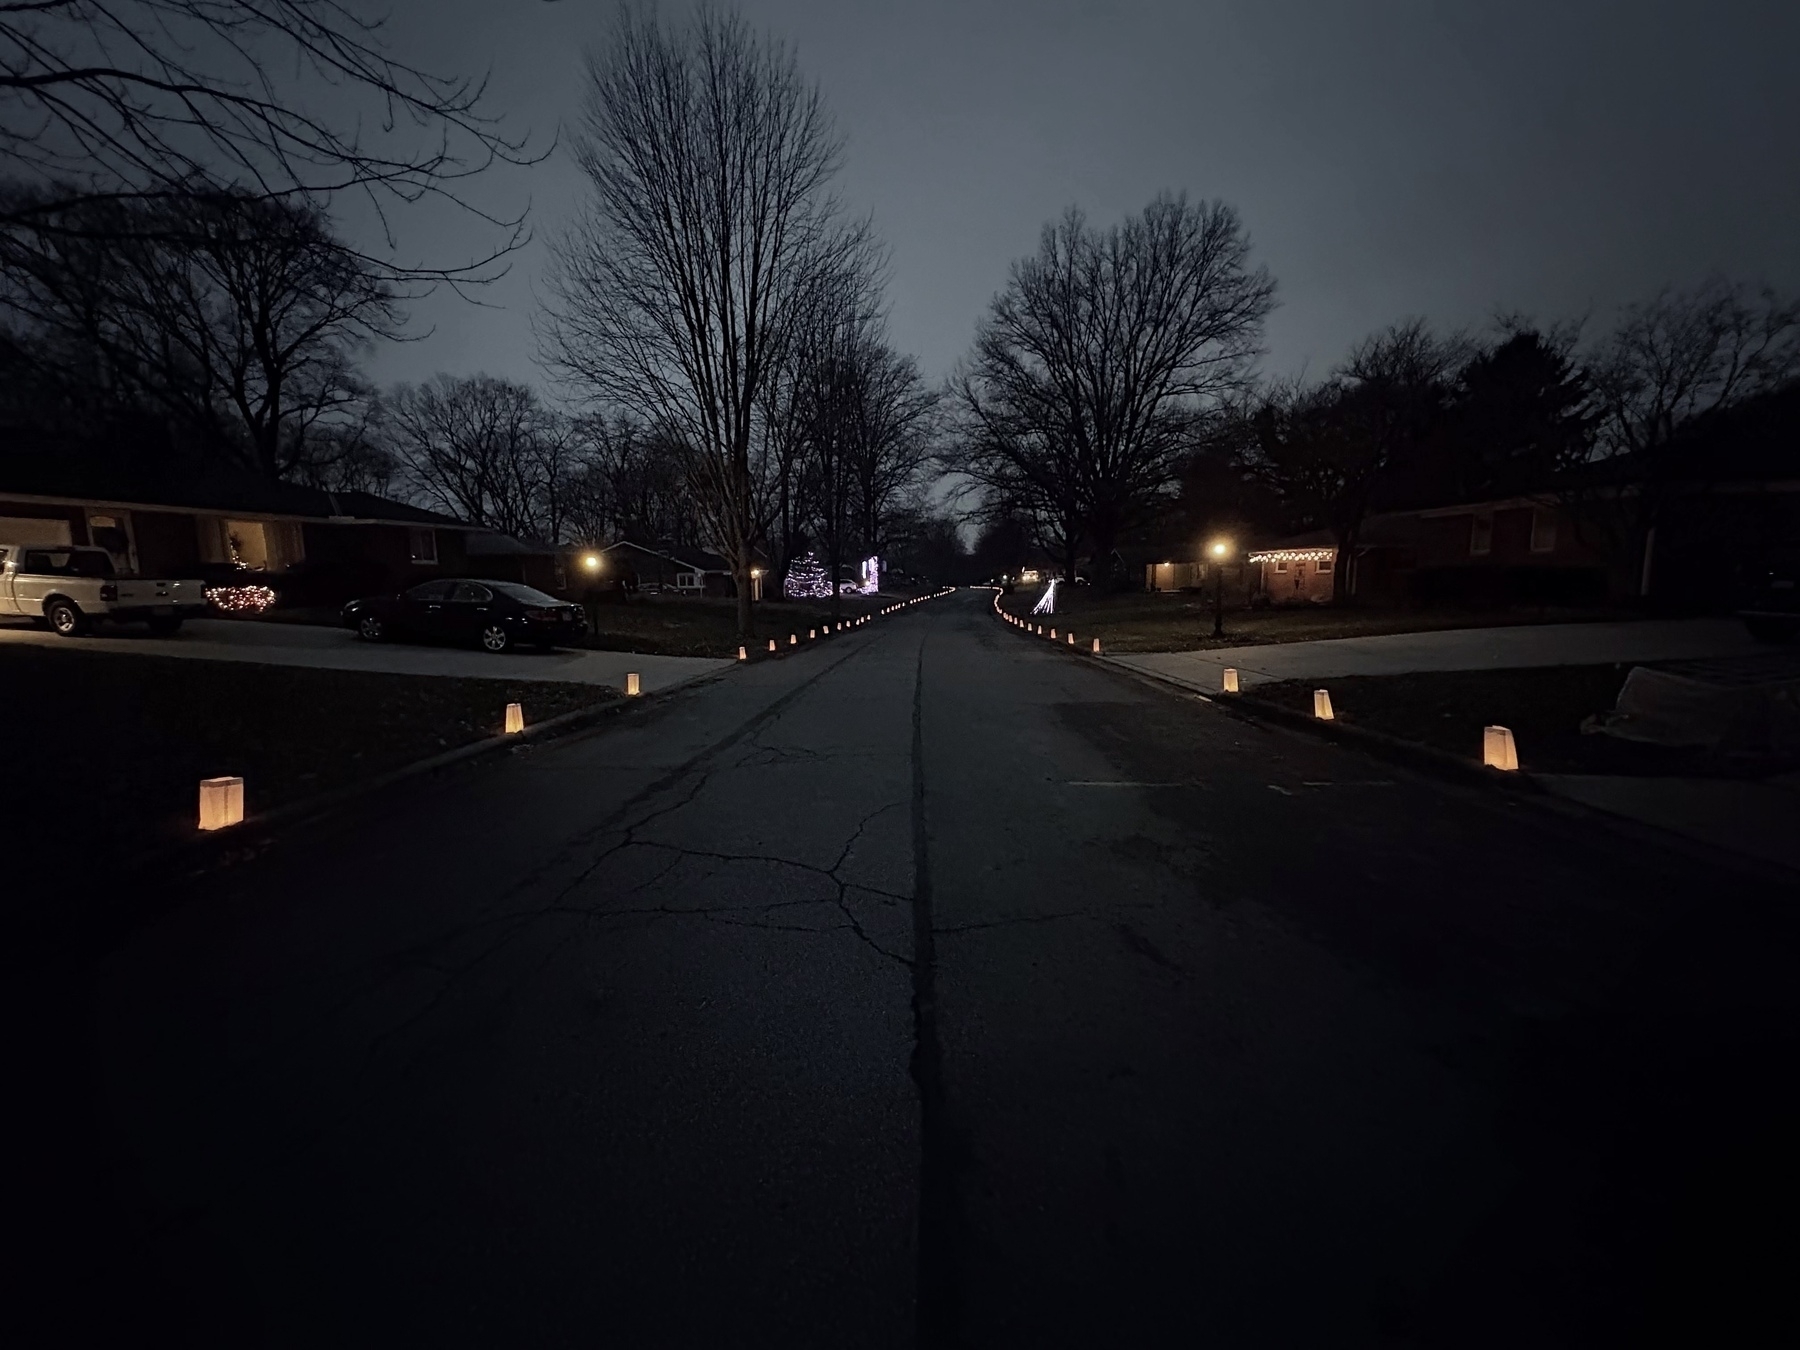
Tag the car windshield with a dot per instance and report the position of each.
(68, 562)
(525, 595)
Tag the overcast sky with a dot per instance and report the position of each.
(1389, 157)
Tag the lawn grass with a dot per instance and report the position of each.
(1179, 621)
(666, 625)
(107, 750)
(1543, 707)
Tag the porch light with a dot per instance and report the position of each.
(515, 719)
(591, 561)
(1221, 547)
(1498, 750)
(221, 802)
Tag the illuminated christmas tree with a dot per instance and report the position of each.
(806, 579)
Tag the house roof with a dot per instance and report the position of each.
(697, 559)
(64, 474)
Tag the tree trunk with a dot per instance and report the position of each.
(741, 575)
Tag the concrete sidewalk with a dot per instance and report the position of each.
(292, 644)
(1557, 644)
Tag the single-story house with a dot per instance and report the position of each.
(676, 569)
(311, 546)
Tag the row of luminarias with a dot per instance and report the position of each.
(222, 799)
(1498, 748)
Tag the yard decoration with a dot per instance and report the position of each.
(1096, 646)
(632, 686)
(1231, 684)
(743, 655)
(793, 639)
(771, 644)
(515, 719)
(1322, 705)
(1498, 750)
(221, 802)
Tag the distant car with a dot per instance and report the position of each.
(495, 615)
(1771, 608)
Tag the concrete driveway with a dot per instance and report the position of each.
(293, 644)
(1558, 644)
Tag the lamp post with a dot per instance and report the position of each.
(1218, 550)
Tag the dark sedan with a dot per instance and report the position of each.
(494, 614)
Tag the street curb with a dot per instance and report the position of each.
(217, 846)
(1518, 786)
(1422, 757)
(205, 849)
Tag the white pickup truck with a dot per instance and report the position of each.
(71, 588)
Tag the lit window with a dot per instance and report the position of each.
(1324, 566)
(1481, 536)
(1543, 531)
(422, 545)
(1281, 565)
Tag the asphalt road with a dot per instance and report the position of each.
(935, 987)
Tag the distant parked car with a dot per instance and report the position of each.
(73, 588)
(1771, 607)
(493, 614)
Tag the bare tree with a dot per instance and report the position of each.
(244, 331)
(1327, 450)
(157, 101)
(675, 297)
(486, 450)
(1090, 366)
(1669, 361)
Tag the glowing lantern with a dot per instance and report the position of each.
(1096, 646)
(1071, 639)
(811, 633)
(632, 684)
(771, 644)
(1498, 750)
(1053, 635)
(221, 802)
(515, 719)
(1322, 704)
(793, 639)
(1231, 684)
(743, 655)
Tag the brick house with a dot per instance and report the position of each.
(312, 547)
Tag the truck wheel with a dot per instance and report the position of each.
(65, 618)
(164, 627)
(1773, 630)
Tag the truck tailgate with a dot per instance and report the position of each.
(136, 593)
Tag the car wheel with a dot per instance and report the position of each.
(164, 627)
(370, 629)
(495, 638)
(1773, 630)
(65, 619)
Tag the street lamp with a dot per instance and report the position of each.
(591, 561)
(1219, 549)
